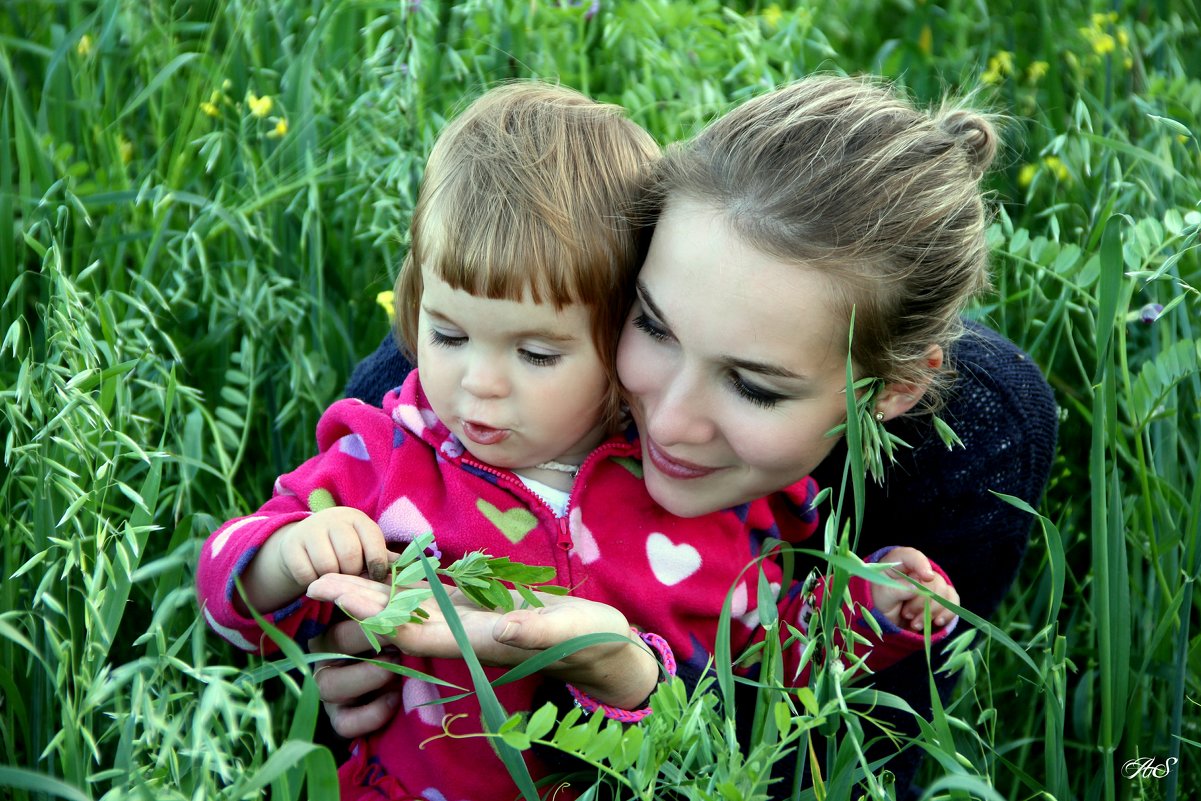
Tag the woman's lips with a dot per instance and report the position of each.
(484, 435)
(675, 468)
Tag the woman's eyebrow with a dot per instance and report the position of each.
(762, 368)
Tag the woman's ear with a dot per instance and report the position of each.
(896, 399)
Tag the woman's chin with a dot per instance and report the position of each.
(682, 498)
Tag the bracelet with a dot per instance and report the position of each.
(589, 704)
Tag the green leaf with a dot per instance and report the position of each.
(22, 779)
(541, 721)
(156, 83)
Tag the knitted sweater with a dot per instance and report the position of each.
(932, 499)
(615, 545)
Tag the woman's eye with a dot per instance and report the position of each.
(760, 397)
(445, 340)
(540, 359)
(651, 328)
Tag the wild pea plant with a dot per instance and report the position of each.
(199, 204)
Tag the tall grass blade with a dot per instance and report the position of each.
(494, 715)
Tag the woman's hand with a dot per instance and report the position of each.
(904, 606)
(620, 674)
(359, 697)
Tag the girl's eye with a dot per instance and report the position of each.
(445, 340)
(539, 359)
(749, 392)
(651, 328)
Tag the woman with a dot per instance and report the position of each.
(773, 223)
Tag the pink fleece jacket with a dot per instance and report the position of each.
(668, 575)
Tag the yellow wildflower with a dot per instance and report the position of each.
(125, 148)
(1026, 175)
(1123, 38)
(259, 106)
(1057, 167)
(280, 129)
(772, 15)
(84, 48)
(209, 109)
(226, 85)
(999, 66)
(925, 40)
(1100, 20)
(1036, 71)
(386, 299)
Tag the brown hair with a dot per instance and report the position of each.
(842, 176)
(533, 187)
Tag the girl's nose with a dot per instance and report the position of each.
(485, 378)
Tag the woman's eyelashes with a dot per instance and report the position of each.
(756, 395)
(764, 398)
(651, 328)
(442, 339)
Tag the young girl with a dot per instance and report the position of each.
(521, 270)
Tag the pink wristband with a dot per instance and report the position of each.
(590, 704)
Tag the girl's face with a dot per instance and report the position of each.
(518, 382)
(734, 363)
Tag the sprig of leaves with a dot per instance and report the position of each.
(477, 575)
(878, 443)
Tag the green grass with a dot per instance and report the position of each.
(185, 291)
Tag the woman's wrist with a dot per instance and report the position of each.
(628, 680)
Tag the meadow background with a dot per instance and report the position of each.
(200, 201)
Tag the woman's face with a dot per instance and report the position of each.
(734, 363)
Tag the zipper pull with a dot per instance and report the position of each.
(565, 542)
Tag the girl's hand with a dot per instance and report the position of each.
(339, 539)
(620, 674)
(904, 607)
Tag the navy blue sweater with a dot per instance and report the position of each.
(932, 499)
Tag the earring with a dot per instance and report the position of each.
(879, 417)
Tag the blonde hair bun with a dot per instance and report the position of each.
(975, 133)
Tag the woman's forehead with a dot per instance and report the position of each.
(727, 299)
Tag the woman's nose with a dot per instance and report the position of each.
(485, 378)
(680, 414)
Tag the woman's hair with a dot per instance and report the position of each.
(841, 176)
(533, 188)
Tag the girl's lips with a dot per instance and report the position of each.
(674, 468)
(484, 435)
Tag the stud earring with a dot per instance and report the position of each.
(879, 417)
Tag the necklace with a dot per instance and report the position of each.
(559, 467)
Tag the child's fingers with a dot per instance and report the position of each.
(374, 548)
(347, 545)
(913, 611)
(313, 556)
(912, 561)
